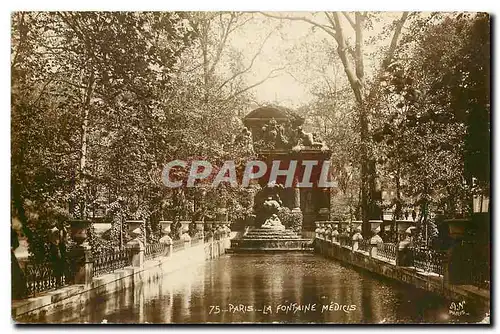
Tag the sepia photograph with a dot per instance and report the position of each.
(250, 167)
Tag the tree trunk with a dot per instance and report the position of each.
(83, 146)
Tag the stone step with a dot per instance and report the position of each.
(269, 234)
(291, 237)
(269, 231)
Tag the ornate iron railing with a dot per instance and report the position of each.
(178, 245)
(196, 240)
(158, 249)
(207, 236)
(345, 240)
(480, 279)
(428, 260)
(42, 277)
(364, 245)
(109, 261)
(387, 251)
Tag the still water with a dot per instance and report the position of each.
(291, 288)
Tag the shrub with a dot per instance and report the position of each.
(291, 220)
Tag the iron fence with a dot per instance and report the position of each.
(196, 239)
(428, 260)
(364, 245)
(177, 245)
(42, 277)
(480, 279)
(157, 249)
(387, 251)
(345, 240)
(110, 260)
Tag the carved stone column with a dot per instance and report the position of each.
(296, 200)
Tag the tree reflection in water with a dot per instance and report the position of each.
(204, 293)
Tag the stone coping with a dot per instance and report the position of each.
(23, 306)
(431, 279)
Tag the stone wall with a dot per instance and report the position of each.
(71, 299)
(479, 299)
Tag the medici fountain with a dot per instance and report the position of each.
(284, 212)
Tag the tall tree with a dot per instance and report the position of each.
(336, 25)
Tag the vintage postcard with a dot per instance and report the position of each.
(250, 167)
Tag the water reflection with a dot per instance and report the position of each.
(204, 293)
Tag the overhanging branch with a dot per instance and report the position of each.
(329, 30)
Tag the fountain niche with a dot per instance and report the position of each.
(284, 213)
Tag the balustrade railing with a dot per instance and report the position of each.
(42, 277)
(387, 251)
(110, 260)
(158, 249)
(428, 260)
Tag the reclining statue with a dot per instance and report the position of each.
(274, 223)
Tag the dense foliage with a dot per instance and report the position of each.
(102, 100)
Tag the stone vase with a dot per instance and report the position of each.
(457, 227)
(79, 230)
(166, 226)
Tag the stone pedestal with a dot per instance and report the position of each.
(335, 235)
(81, 257)
(136, 249)
(167, 240)
(187, 239)
(316, 231)
(328, 232)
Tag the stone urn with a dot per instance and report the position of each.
(402, 226)
(324, 214)
(134, 224)
(457, 227)
(357, 224)
(166, 226)
(79, 230)
(185, 226)
(374, 224)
